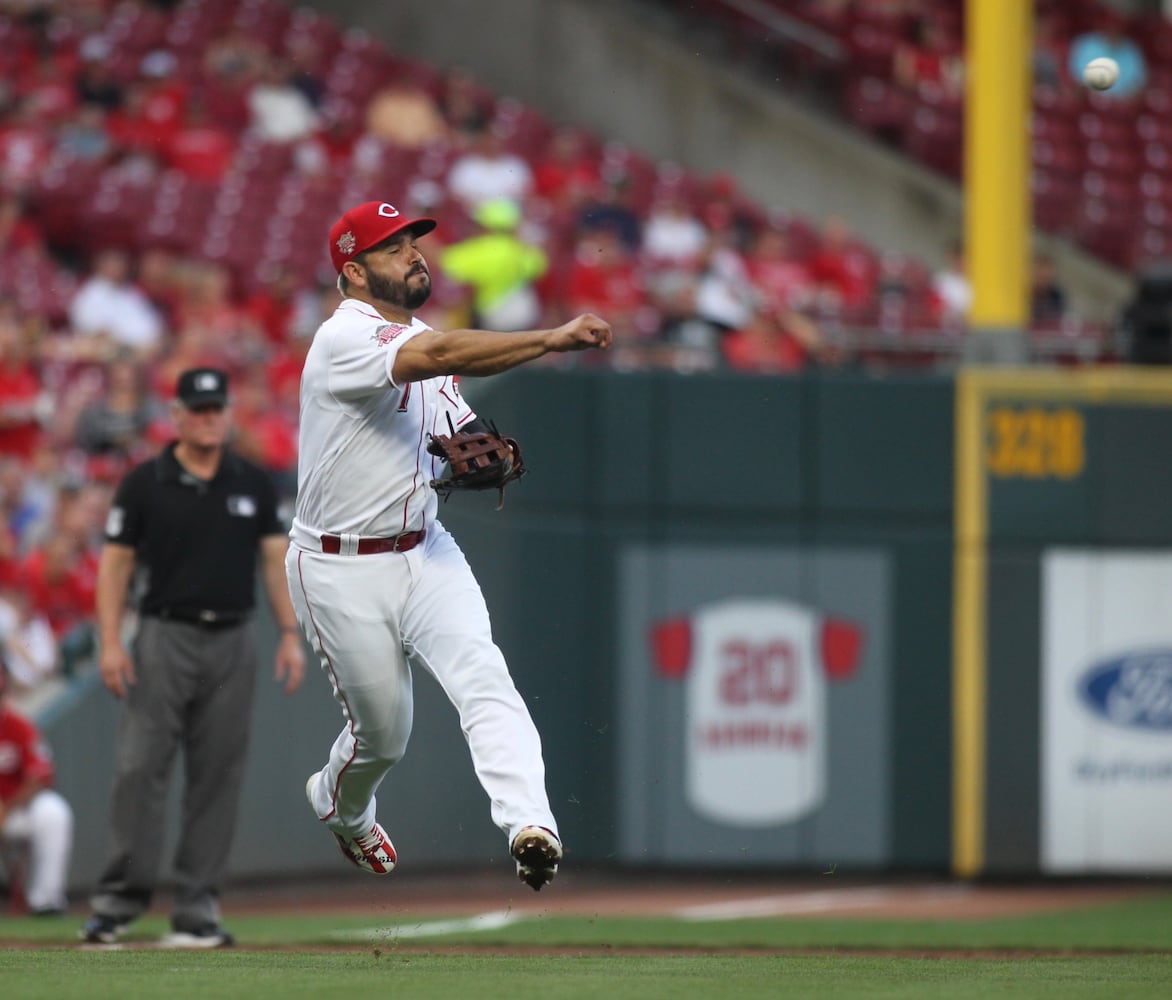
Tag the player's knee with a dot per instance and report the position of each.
(389, 750)
(49, 810)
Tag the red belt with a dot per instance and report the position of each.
(332, 544)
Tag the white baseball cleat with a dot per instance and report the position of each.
(537, 852)
(372, 852)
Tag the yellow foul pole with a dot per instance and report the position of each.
(999, 47)
(999, 40)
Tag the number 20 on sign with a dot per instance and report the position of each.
(1034, 442)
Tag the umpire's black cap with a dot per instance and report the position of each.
(202, 387)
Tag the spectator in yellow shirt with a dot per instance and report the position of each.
(499, 268)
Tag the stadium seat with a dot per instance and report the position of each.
(1121, 162)
(1062, 158)
(1056, 202)
(935, 139)
(872, 49)
(1109, 128)
(877, 106)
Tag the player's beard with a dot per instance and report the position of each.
(399, 293)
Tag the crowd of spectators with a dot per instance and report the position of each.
(163, 168)
(1101, 173)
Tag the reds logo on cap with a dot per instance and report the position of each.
(366, 226)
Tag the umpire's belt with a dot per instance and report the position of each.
(203, 617)
(355, 545)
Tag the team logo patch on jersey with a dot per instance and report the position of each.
(347, 243)
(385, 334)
(241, 506)
(114, 521)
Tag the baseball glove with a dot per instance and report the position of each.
(478, 458)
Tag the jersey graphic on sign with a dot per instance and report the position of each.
(755, 704)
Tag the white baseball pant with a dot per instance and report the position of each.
(45, 825)
(370, 618)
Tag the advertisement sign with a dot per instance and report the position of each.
(753, 705)
(1106, 712)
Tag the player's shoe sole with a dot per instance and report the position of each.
(537, 853)
(372, 852)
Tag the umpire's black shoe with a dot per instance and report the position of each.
(203, 936)
(100, 929)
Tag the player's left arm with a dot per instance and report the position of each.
(290, 657)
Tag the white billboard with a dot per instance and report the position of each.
(1106, 706)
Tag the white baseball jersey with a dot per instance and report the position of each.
(363, 464)
(364, 470)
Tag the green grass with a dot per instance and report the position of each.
(226, 975)
(1143, 924)
(1122, 950)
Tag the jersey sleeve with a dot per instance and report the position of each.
(126, 518)
(362, 356)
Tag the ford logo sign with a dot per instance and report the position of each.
(1133, 690)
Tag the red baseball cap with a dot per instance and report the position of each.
(366, 226)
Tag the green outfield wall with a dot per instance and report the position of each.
(809, 623)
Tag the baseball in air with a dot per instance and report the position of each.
(1101, 73)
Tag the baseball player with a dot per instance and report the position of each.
(378, 584)
(31, 811)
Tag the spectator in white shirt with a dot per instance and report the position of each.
(27, 644)
(109, 313)
(280, 110)
(489, 171)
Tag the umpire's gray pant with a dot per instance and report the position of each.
(194, 690)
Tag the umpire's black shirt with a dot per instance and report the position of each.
(196, 540)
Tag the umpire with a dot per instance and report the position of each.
(185, 528)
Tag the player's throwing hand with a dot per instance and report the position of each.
(582, 333)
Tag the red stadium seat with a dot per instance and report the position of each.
(1061, 158)
(1157, 99)
(1057, 103)
(872, 49)
(1095, 126)
(877, 106)
(1107, 229)
(1054, 127)
(1152, 244)
(1118, 161)
(1056, 202)
(1122, 193)
(936, 140)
